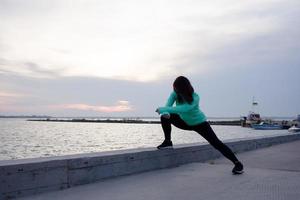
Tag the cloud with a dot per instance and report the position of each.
(121, 106)
(92, 91)
(275, 90)
(36, 69)
(124, 40)
(10, 94)
(29, 69)
(9, 101)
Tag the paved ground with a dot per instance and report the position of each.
(270, 173)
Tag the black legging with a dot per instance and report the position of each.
(203, 129)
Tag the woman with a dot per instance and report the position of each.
(187, 115)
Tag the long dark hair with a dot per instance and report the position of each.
(183, 89)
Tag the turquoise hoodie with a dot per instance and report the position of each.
(189, 113)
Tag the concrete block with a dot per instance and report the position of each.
(33, 179)
(28, 165)
(90, 174)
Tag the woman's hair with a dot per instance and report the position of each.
(183, 89)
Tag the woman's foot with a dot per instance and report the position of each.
(238, 168)
(166, 144)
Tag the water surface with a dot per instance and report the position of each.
(27, 139)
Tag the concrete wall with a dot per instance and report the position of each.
(32, 176)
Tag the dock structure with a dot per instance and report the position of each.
(130, 121)
(29, 177)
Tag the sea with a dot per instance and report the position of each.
(20, 138)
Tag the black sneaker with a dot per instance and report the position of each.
(166, 145)
(238, 168)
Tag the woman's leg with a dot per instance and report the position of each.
(176, 121)
(205, 130)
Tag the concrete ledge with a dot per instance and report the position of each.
(31, 176)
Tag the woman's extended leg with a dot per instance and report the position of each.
(205, 130)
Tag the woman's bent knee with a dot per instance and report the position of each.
(164, 118)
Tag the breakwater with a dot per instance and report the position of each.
(131, 121)
(128, 121)
(32, 176)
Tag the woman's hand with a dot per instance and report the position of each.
(157, 110)
(165, 114)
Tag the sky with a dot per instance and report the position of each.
(120, 58)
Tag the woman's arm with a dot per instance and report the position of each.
(181, 108)
(171, 99)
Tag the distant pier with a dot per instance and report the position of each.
(127, 121)
(131, 121)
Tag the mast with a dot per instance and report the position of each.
(254, 105)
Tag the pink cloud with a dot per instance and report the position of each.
(9, 94)
(8, 100)
(121, 106)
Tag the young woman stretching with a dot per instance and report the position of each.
(187, 115)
